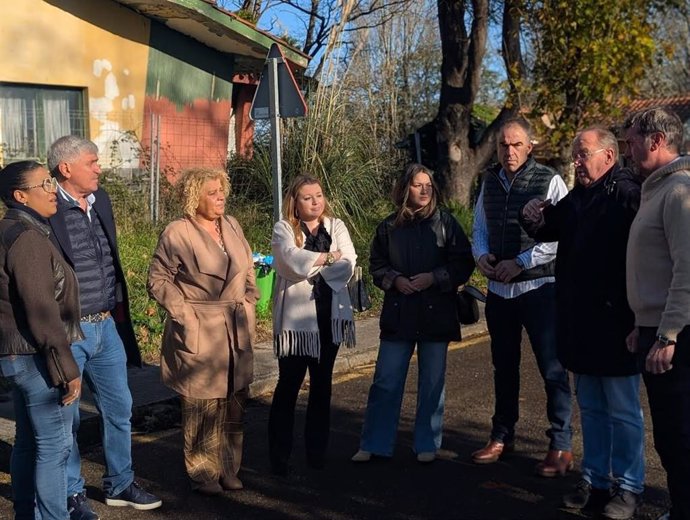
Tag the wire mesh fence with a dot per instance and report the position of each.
(147, 154)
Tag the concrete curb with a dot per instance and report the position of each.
(156, 407)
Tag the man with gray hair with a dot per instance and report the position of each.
(591, 225)
(83, 229)
(658, 286)
(521, 295)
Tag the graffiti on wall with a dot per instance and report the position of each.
(115, 114)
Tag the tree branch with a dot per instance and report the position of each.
(477, 48)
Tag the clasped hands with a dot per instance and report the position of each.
(414, 283)
(504, 271)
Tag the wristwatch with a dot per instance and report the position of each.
(665, 342)
(330, 259)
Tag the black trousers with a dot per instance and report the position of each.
(669, 403)
(281, 421)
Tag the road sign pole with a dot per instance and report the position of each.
(277, 96)
(276, 159)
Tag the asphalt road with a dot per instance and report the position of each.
(396, 489)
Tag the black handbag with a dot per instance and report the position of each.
(359, 297)
(467, 306)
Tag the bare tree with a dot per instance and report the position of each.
(253, 7)
(318, 18)
(669, 74)
(393, 77)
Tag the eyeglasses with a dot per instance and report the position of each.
(49, 185)
(583, 156)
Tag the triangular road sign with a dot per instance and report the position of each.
(290, 100)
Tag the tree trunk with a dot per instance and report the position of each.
(460, 159)
(460, 69)
(463, 182)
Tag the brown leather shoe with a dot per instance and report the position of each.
(556, 462)
(231, 483)
(491, 452)
(209, 489)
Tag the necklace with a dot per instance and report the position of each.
(220, 238)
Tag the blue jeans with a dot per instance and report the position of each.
(43, 440)
(386, 394)
(612, 431)
(536, 312)
(103, 363)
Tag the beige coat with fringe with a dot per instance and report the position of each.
(210, 299)
(295, 329)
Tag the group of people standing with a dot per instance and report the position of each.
(64, 317)
(599, 277)
(202, 274)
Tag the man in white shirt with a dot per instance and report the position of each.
(521, 294)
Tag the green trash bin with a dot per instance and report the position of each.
(265, 278)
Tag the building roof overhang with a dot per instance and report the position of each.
(219, 29)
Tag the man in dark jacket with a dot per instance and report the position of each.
(521, 295)
(84, 231)
(591, 225)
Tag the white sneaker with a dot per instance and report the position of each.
(361, 456)
(426, 457)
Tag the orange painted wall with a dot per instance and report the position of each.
(195, 136)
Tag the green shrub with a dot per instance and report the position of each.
(357, 187)
(465, 217)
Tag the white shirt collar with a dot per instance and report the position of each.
(90, 199)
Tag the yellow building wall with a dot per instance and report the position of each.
(98, 45)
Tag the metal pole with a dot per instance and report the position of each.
(274, 116)
(151, 170)
(156, 191)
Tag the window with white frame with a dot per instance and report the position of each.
(32, 117)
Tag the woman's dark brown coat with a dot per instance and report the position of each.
(39, 296)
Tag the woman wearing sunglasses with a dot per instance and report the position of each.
(39, 319)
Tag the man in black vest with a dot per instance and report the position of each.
(521, 294)
(84, 231)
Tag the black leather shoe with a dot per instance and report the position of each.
(622, 506)
(79, 509)
(584, 496)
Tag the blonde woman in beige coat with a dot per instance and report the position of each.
(202, 274)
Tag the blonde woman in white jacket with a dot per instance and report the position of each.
(314, 259)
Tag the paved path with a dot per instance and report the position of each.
(156, 407)
(452, 488)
